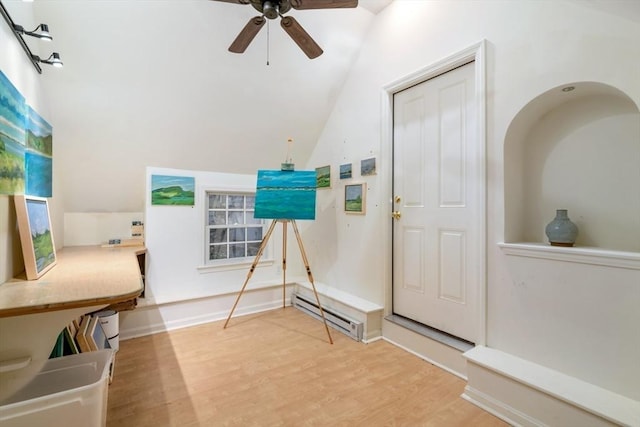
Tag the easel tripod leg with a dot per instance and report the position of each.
(310, 276)
(253, 267)
(284, 261)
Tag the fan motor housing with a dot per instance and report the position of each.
(271, 9)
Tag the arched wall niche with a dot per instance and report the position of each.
(575, 147)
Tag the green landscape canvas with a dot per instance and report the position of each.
(40, 229)
(38, 155)
(13, 112)
(172, 190)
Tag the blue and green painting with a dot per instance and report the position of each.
(13, 118)
(172, 190)
(286, 195)
(40, 233)
(38, 157)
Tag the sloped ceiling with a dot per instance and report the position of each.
(119, 55)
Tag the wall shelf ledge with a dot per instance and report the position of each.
(582, 255)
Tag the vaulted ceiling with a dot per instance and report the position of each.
(129, 61)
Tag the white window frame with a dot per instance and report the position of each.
(228, 263)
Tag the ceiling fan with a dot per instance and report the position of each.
(271, 9)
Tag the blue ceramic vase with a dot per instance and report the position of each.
(561, 231)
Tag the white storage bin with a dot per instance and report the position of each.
(68, 391)
(109, 319)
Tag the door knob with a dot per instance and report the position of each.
(396, 215)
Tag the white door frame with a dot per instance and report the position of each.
(477, 53)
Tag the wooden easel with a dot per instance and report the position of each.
(263, 245)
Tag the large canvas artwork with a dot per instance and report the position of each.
(172, 190)
(38, 156)
(286, 195)
(34, 225)
(13, 116)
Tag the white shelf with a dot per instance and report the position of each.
(583, 255)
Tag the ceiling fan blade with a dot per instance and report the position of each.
(247, 34)
(234, 1)
(323, 4)
(300, 36)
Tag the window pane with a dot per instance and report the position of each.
(218, 235)
(236, 235)
(251, 219)
(250, 202)
(254, 233)
(218, 252)
(229, 238)
(236, 202)
(236, 217)
(217, 217)
(217, 201)
(237, 250)
(252, 249)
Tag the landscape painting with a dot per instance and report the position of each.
(345, 171)
(285, 195)
(323, 177)
(354, 199)
(38, 155)
(13, 116)
(34, 225)
(173, 190)
(368, 166)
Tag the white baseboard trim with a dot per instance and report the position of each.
(525, 393)
(153, 319)
(497, 408)
(425, 358)
(434, 352)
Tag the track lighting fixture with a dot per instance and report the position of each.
(53, 59)
(43, 34)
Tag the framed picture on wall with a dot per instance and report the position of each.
(323, 177)
(345, 171)
(368, 166)
(36, 236)
(171, 190)
(355, 201)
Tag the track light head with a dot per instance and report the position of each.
(53, 59)
(43, 34)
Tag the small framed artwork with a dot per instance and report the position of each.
(368, 166)
(355, 200)
(34, 226)
(173, 190)
(323, 177)
(345, 171)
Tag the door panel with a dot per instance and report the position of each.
(436, 243)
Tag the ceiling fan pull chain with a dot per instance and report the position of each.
(267, 43)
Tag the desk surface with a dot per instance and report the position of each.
(83, 276)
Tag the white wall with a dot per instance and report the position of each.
(175, 241)
(532, 46)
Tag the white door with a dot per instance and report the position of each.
(437, 186)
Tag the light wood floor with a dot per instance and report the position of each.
(278, 369)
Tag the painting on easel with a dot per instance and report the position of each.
(286, 195)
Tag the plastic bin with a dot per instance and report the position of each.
(68, 391)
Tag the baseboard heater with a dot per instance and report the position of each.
(335, 320)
